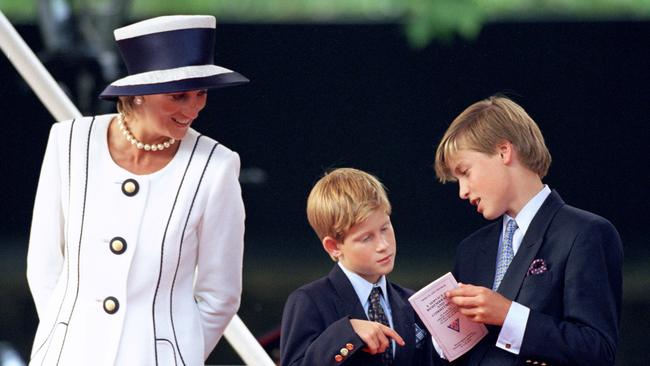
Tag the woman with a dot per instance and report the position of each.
(136, 245)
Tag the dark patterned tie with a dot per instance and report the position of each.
(376, 314)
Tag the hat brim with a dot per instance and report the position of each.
(232, 78)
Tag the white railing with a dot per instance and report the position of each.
(60, 106)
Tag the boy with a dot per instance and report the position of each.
(545, 277)
(327, 321)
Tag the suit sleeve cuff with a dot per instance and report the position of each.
(514, 326)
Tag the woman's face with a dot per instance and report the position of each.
(170, 115)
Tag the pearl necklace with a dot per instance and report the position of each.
(121, 123)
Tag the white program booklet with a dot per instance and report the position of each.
(453, 331)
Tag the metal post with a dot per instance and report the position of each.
(34, 73)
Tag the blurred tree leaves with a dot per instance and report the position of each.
(423, 20)
(443, 19)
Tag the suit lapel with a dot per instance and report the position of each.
(403, 323)
(530, 245)
(347, 301)
(485, 263)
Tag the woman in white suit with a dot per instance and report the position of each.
(136, 246)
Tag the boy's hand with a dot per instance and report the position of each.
(375, 335)
(480, 304)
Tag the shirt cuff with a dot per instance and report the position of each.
(438, 349)
(512, 332)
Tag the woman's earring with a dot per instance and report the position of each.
(138, 100)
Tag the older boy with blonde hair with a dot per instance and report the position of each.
(545, 277)
(354, 316)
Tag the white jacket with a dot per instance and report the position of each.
(150, 277)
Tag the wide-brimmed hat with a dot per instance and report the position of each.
(169, 54)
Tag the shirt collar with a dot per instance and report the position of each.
(363, 287)
(526, 215)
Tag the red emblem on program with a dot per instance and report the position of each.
(455, 325)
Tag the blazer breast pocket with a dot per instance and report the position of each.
(536, 288)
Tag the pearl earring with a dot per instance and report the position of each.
(137, 100)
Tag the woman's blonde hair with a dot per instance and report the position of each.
(342, 198)
(126, 105)
(484, 125)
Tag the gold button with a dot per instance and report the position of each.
(130, 187)
(338, 358)
(118, 245)
(344, 352)
(349, 346)
(535, 363)
(111, 305)
(528, 361)
(543, 364)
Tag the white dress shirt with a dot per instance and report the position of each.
(514, 326)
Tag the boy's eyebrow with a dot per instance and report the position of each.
(457, 169)
(369, 231)
(360, 235)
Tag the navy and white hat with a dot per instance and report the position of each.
(169, 54)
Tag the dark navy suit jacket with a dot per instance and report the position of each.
(316, 326)
(574, 306)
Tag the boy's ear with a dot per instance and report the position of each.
(331, 247)
(505, 151)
